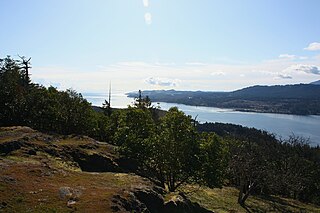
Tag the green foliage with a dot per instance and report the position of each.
(24, 103)
(177, 149)
(170, 149)
(134, 128)
(142, 103)
(260, 164)
(12, 92)
(106, 108)
(214, 160)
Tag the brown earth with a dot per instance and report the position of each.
(52, 173)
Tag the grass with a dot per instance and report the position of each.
(31, 183)
(36, 187)
(225, 200)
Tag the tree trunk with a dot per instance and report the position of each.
(240, 196)
(244, 192)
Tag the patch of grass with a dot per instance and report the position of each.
(19, 158)
(225, 200)
(19, 199)
(36, 187)
(3, 187)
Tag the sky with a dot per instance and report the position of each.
(210, 45)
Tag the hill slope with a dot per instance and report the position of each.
(302, 99)
(53, 173)
(316, 82)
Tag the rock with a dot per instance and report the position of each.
(128, 203)
(95, 162)
(71, 203)
(115, 208)
(153, 200)
(180, 204)
(65, 192)
(70, 193)
(7, 147)
(3, 205)
(32, 152)
(149, 200)
(8, 179)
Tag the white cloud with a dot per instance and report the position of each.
(165, 63)
(287, 56)
(303, 57)
(148, 18)
(133, 75)
(313, 46)
(310, 69)
(163, 82)
(145, 3)
(218, 73)
(195, 64)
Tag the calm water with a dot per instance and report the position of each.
(279, 124)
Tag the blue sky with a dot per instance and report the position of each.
(164, 44)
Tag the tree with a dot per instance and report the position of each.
(142, 103)
(25, 63)
(134, 128)
(106, 108)
(249, 166)
(13, 92)
(213, 157)
(176, 149)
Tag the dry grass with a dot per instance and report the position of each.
(29, 187)
(31, 183)
(225, 200)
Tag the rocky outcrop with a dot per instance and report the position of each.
(95, 162)
(151, 201)
(181, 204)
(8, 147)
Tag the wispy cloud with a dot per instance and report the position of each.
(165, 63)
(313, 46)
(148, 18)
(163, 82)
(218, 73)
(291, 57)
(196, 64)
(132, 75)
(303, 57)
(287, 56)
(310, 69)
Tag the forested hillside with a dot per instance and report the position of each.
(302, 99)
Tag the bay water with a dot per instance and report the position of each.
(282, 125)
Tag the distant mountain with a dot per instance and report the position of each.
(296, 91)
(303, 99)
(315, 82)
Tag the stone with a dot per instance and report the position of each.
(71, 203)
(65, 192)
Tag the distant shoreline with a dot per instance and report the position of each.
(298, 99)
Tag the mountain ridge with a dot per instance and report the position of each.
(300, 99)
